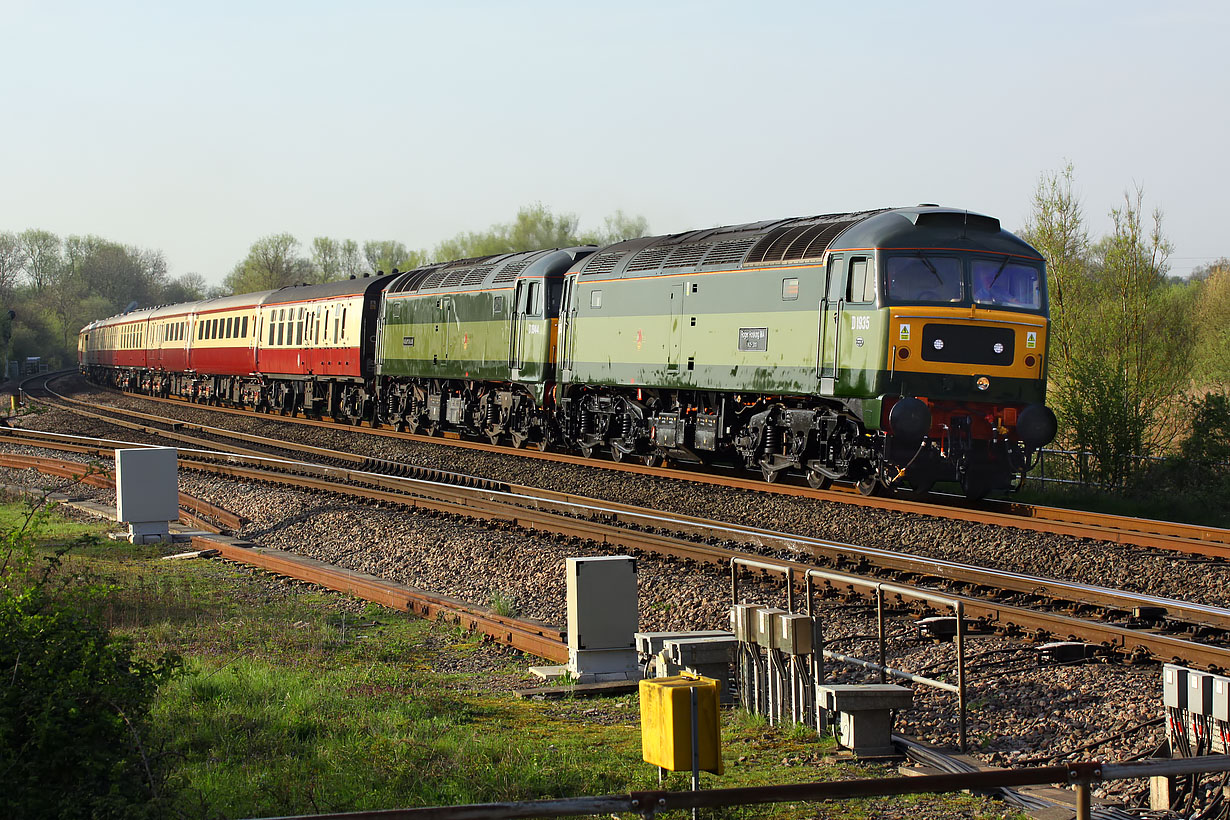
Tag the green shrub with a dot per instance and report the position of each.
(74, 700)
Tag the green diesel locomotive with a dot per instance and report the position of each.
(890, 348)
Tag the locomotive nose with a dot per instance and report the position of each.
(1037, 426)
(910, 419)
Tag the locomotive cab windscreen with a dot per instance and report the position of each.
(961, 279)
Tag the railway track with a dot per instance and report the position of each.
(1129, 626)
(1190, 539)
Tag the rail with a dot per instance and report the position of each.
(649, 804)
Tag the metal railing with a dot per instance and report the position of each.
(879, 589)
(648, 804)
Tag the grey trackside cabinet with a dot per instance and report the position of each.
(602, 617)
(147, 492)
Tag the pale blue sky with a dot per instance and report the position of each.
(198, 128)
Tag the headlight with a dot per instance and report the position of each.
(983, 383)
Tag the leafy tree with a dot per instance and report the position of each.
(272, 262)
(1120, 348)
(1213, 323)
(616, 228)
(1056, 228)
(534, 228)
(188, 287)
(383, 256)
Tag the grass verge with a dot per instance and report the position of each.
(295, 701)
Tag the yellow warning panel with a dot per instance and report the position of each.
(666, 723)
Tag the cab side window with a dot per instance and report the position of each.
(862, 281)
(837, 280)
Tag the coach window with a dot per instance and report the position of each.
(790, 289)
(272, 320)
(243, 328)
(281, 325)
(595, 299)
(343, 336)
(325, 330)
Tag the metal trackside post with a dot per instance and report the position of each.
(961, 726)
(695, 744)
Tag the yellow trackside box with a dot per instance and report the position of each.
(666, 723)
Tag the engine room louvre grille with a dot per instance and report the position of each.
(686, 256)
(434, 279)
(650, 258)
(760, 252)
(510, 272)
(725, 253)
(602, 262)
(454, 277)
(813, 243)
(477, 274)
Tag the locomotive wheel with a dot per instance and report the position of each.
(617, 455)
(818, 480)
(867, 486)
(587, 450)
(652, 459)
(770, 475)
(542, 445)
(919, 484)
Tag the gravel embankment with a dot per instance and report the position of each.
(1018, 711)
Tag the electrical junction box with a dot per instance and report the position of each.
(1199, 693)
(1221, 698)
(147, 491)
(743, 622)
(601, 596)
(666, 723)
(766, 625)
(794, 634)
(1174, 686)
(602, 618)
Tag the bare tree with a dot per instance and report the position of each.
(42, 250)
(12, 263)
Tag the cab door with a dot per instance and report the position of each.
(831, 304)
(565, 335)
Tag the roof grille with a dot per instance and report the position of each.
(650, 258)
(434, 279)
(602, 263)
(477, 274)
(793, 242)
(728, 252)
(686, 256)
(510, 272)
